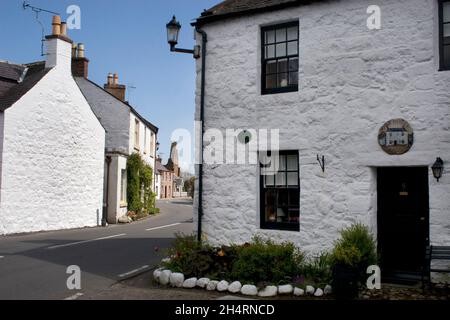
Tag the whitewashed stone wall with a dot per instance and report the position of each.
(52, 159)
(352, 80)
(143, 147)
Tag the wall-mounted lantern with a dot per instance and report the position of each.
(438, 168)
(173, 31)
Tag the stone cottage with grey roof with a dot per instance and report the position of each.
(51, 145)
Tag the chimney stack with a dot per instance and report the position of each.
(80, 64)
(112, 86)
(58, 45)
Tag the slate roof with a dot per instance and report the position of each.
(160, 168)
(16, 80)
(78, 80)
(231, 8)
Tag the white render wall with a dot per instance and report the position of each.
(52, 159)
(116, 208)
(351, 81)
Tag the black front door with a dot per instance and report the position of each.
(403, 214)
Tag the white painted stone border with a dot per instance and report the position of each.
(175, 279)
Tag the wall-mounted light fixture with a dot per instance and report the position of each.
(321, 162)
(438, 168)
(173, 31)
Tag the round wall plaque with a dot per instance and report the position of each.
(396, 137)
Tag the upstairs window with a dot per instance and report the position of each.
(444, 34)
(280, 45)
(280, 192)
(136, 134)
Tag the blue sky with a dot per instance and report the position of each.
(127, 37)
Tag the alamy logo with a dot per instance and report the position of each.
(74, 18)
(374, 280)
(74, 280)
(374, 20)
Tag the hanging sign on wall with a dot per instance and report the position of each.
(396, 137)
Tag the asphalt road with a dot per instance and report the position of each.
(34, 266)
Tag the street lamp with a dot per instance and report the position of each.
(173, 31)
(438, 168)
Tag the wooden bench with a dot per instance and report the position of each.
(435, 253)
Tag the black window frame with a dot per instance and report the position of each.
(282, 226)
(289, 88)
(442, 66)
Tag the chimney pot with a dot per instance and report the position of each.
(110, 79)
(116, 79)
(56, 25)
(80, 50)
(74, 50)
(64, 29)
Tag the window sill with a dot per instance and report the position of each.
(279, 90)
(281, 226)
(123, 204)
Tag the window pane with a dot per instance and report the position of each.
(294, 215)
(293, 78)
(293, 64)
(271, 81)
(294, 197)
(292, 33)
(270, 181)
(281, 179)
(282, 162)
(270, 36)
(446, 12)
(292, 162)
(292, 48)
(283, 195)
(282, 80)
(270, 51)
(292, 179)
(281, 50)
(271, 67)
(447, 56)
(447, 30)
(270, 214)
(281, 35)
(282, 65)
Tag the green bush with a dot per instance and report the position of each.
(318, 269)
(355, 249)
(265, 261)
(154, 210)
(196, 259)
(140, 197)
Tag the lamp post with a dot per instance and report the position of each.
(173, 31)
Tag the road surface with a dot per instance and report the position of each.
(34, 266)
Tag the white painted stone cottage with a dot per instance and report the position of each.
(51, 145)
(315, 71)
(127, 132)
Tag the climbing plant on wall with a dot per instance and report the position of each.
(139, 181)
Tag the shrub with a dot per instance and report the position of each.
(139, 181)
(318, 269)
(265, 261)
(154, 210)
(356, 248)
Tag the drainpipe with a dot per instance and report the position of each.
(105, 206)
(202, 114)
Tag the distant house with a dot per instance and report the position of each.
(51, 145)
(127, 132)
(173, 166)
(165, 181)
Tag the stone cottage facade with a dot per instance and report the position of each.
(318, 73)
(51, 145)
(127, 132)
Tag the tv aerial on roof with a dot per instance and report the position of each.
(36, 10)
